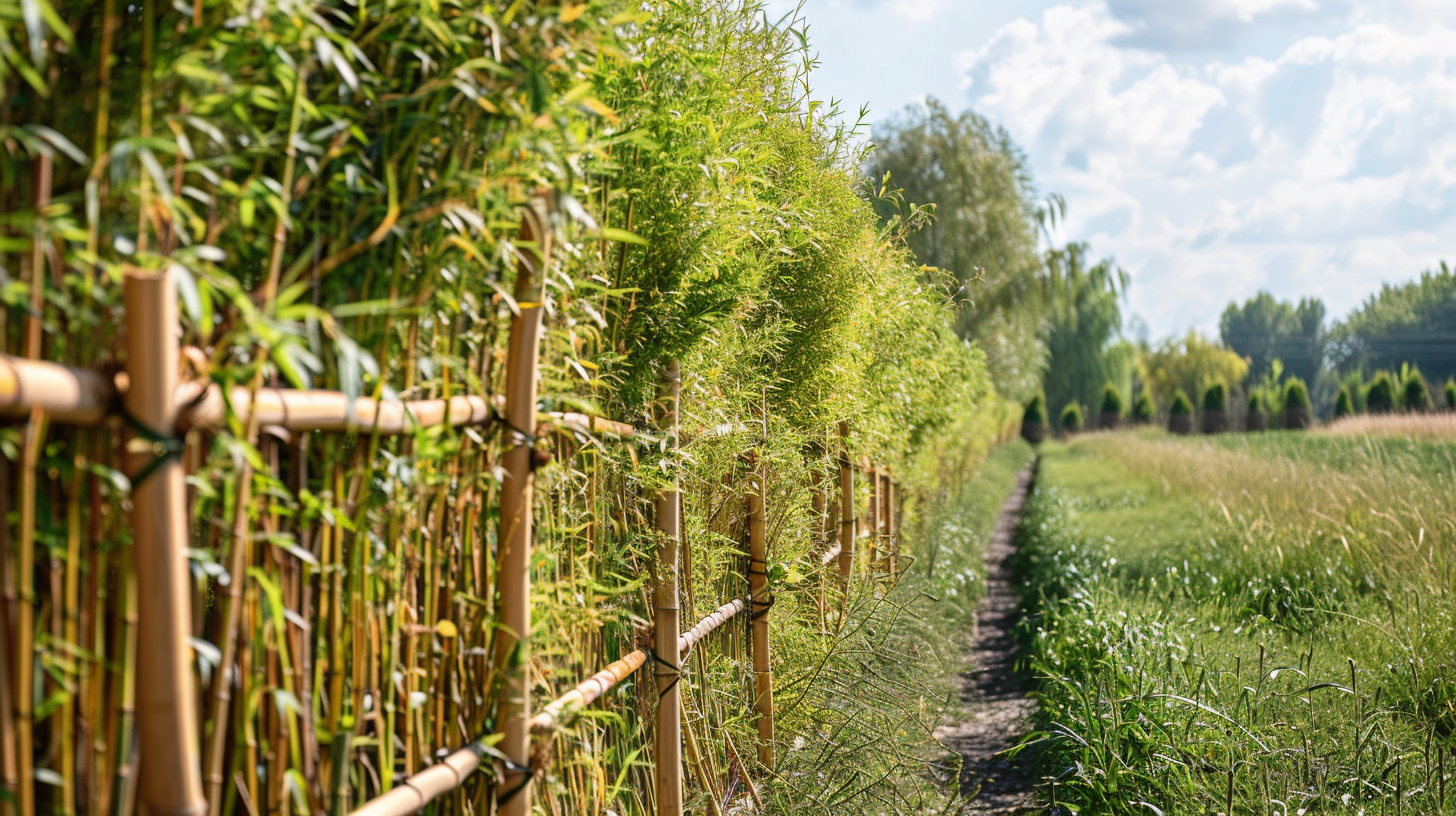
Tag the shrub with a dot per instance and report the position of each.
(1344, 406)
(1181, 406)
(1296, 395)
(1380, 394)
(1451, 395)
(1256, 404)
(1414, 394)
(1072, 418)
(1111, 400)
(1216, 397)
(1035, 410)
(1144, 410)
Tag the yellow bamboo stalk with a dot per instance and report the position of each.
(512, 655)
(758, 590)
(846, 513)
(872, 519)
(437, 780)
(668, 667)
(171, 778)
(69, 396)
(891, 520)
(25, 623)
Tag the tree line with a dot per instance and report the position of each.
(1051, 321)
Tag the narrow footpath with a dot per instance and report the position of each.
(994, 691)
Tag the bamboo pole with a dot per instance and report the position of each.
(846, 513)
(25, 624)
(891, 519)
(512, 653)
(69, 396)
(79, 396)
(762, 601)
(872, 518)
(171, 778)
(668, 666)
(422, 788)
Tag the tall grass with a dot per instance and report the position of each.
(1234, 627)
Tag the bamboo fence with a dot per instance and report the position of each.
(151, 718)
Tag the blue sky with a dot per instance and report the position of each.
(1213, 147)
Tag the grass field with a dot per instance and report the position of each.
(1244, 624)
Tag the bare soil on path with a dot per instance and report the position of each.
(994, 691)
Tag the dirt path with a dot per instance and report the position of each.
(995, 692)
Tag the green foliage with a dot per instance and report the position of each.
(1035, 410)
(1084, 322)
(983, 231)
(1415, 396)
(1402, 323)
(338, 190)
(1111, 400)
(1344, 406)
(1263, 330)
(1380, 397)
(1144, 410)
(1450, 394)
(1215, 398)
(1072, 418)
(1257, 404)
(1181, 405)
(1188, 364)
(1296, 395)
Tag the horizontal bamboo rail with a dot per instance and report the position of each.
(79, 396)
(411, 795)
(564, 707)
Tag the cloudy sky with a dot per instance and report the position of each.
(1213, 147)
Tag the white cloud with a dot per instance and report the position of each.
(1324, 170)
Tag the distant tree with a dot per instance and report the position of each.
(1380, 394)
(1144, 411)
(984, 229)
(1084, 322)
(1264, 329)
(1189, 364)
(1296, 404)
(1412, 323)
(1072, 418)
(1344, 406)
(1111, 400)
(1181, 405)
(1414, 395)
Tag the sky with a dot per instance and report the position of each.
(1214, 148)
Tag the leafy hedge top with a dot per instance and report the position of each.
(1181, 405)
(1451, 395)
(1344, 405)
(1144, 410)
(1414, 395)
(1035, 410)
(1111, 400)
(1072, 417)
(1256, 404)
(1215, 397)
(1296, 395)
(1380, 394)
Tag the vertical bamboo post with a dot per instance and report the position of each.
(846, 514)
(171, 774)
(666, 624)
(759, 608)
(888, 512)
(872, 519)
(514, 581)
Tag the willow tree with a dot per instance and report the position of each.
(983, 230)
(1085, 322)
